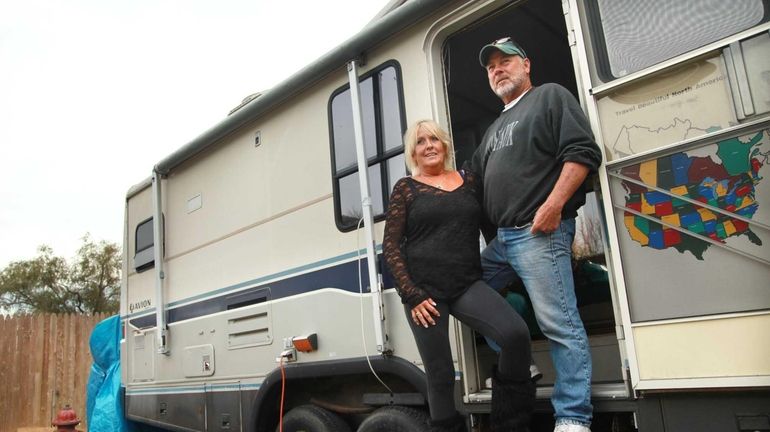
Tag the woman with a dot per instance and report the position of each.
(431, 245)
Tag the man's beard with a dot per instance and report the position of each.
(508, 88)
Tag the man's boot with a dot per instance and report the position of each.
(512, 404)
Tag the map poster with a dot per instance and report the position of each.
(689, 101)
(694, 229)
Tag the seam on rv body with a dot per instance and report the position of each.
(252, 225)
(201, 388)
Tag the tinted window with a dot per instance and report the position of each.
(344, 137)
(144, 253)
(383, 123)
(144, 236)
(390, 109)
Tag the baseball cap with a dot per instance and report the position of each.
(507, 45)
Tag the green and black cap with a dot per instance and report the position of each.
(505, 45)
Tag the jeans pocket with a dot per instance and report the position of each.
(567, 231)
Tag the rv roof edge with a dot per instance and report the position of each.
(142, 185)
(395, 21)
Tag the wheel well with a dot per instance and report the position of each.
(337, 383)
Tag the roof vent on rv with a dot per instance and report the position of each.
(245, 102)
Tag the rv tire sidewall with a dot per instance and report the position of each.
(395, 418)
(311, 418)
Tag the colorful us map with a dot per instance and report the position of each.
(728, 183)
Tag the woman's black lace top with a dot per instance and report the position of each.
(431, 239)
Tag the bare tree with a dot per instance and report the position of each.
(588, 237)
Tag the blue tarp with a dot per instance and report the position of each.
(104, 405)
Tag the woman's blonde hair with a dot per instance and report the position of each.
(410, 142)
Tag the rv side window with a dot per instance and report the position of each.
(144, 256)
(383, 122)
(632, 35)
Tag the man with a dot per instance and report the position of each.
(533, 160)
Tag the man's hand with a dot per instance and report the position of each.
(547, 219)
(422, 314)
(548, 216)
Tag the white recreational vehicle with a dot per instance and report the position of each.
(253, 288)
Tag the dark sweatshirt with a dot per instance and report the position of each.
(522, 153)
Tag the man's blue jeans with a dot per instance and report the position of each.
(543, 262)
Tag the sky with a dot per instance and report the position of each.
(93, 93)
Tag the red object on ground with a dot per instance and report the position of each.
(66, 420)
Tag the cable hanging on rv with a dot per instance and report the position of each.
(361, 298)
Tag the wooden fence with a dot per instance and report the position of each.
(44, 364)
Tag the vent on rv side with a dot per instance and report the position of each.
(249, 330)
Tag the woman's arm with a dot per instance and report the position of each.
(395, 233)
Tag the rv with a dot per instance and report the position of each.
(254, 291)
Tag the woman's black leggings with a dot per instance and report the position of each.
(485, 311)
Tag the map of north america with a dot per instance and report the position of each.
(684, 192)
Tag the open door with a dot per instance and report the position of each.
(539, 26)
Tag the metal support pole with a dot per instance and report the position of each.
(366, 205)
(161, 331)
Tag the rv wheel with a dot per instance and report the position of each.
(310, 418)
(395, 418)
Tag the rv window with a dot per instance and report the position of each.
(144, 256)
(383, 123)
(631, 34)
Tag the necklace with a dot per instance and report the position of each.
(437, 185)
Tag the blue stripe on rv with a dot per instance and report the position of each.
(342, 276)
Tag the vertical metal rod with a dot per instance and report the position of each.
(161, 332)
(366, 207)
(742, 76)
(732, 79)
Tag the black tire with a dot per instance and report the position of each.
(395, 418)
(311, 418)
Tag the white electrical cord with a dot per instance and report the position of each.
(361, 297)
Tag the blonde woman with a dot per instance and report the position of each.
(432, 248)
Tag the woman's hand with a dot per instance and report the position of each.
(422, 314)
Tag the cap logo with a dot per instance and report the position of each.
(505, 45)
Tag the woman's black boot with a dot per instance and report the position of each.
(512, 404)
(451, 424)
